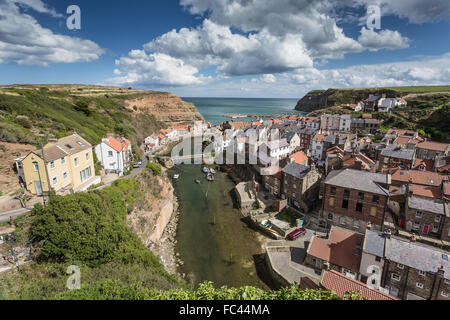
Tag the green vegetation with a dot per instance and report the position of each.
(113, 290)
(30, 116)
(290, 215)
(154, 167)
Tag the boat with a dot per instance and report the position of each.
(176, 176)
(210, 177)
(197, 181)
(212, 171)
(206, 170)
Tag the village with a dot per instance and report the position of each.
(344, 205)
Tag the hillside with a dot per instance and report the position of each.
(319, 99)
(31, 113)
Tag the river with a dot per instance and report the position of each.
(212, 240)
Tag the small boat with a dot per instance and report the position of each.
(176, 176)
(210, 177)
(206, 170)
(197, 181)
(212, 171)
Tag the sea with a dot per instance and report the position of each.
(215, 109)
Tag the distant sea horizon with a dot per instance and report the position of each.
(215, 109)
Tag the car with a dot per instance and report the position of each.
(297, 233)
(137, 164)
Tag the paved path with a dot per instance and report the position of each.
(7, 215)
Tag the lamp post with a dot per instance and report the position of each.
(40, 181)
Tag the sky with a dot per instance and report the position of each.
(227, 48)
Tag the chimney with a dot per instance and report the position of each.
(358, 164)
(388, 179)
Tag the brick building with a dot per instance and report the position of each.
(353, 198)
(396, 158)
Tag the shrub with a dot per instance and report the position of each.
(24, 122)
(155, 168)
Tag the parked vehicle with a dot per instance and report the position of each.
(297, 233)
(137, 164)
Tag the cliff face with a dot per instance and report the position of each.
(320, 99)
(165, 107)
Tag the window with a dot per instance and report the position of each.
(373, 211)
(378, 259)
(63, 160)
(359, 207)
(346, 194)
(36, 167)
(435, 229)
(400, 266)
(331, 202)
(110, 154)
(330, 216)
(395, 277)
(65, 175)
(345, 204)
(437, 219)
(416, 225)
(52, 164)
(295, 186)
(375, 199)
(85, 174)
(55, 181)
(333, 191)
(87, 156)
(419, 214)
(75, 161)
(293, 195)
(361, 196)
(421, 273)
(419, 285)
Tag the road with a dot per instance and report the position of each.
(7, 215)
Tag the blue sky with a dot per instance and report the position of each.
(237, 48)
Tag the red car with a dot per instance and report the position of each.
(297, 233)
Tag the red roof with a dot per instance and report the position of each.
(430, 145)
(113, 143)
(299, 157)
(180, 127)
(426, 178)
(426, 191)
(339, 249)
(367, 116)
(340, 284)
(428, 163)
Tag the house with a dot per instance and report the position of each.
(341, 284)
(245, 194)
(114, 154)
(293, 139)
(372, 126)
(353, 198)
(371, 103)
(391, 158)
(340, 252)
(414, 271)
(278, 149)
(372, 259)
(431, 150)
(386, 104)
(319, 147)
(406, 142)
(299, 158)
(151, 142)
(62, 165)
(301, 185)
(306, 135)
(272, 181)
(335, 122)
(180, 130)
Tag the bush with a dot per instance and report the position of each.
(155, 168)
(24, 122)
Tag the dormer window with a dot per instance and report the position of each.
(69, 146)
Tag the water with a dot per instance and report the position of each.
(213, 241)
(214, 109)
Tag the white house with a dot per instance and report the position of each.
(114, 154)
(151, 141)
(278, 149)
(386, 104)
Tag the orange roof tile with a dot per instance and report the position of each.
(340, 284)
(431, 145)
(339, 248)
(426, 191)
(428, 163)
(299, 157)
(113, 143)
(426, 178)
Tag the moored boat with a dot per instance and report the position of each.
(206, 170)
(176, 176)
(210, 177)
(197, 181)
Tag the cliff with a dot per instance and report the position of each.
(165, 107)
(321, 99)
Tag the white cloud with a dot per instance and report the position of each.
(24, 41)
(154, 69)
(383, 39)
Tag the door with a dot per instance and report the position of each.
(426, 229)
(38, 188)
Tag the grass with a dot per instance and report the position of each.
(290, 215)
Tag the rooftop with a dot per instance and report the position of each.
(296, 170)
(340, 284)
(419, 177)
(399, 153)
(374, 243)
(426, 204)
(435, 146)
(359, 180)
(342, 248)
